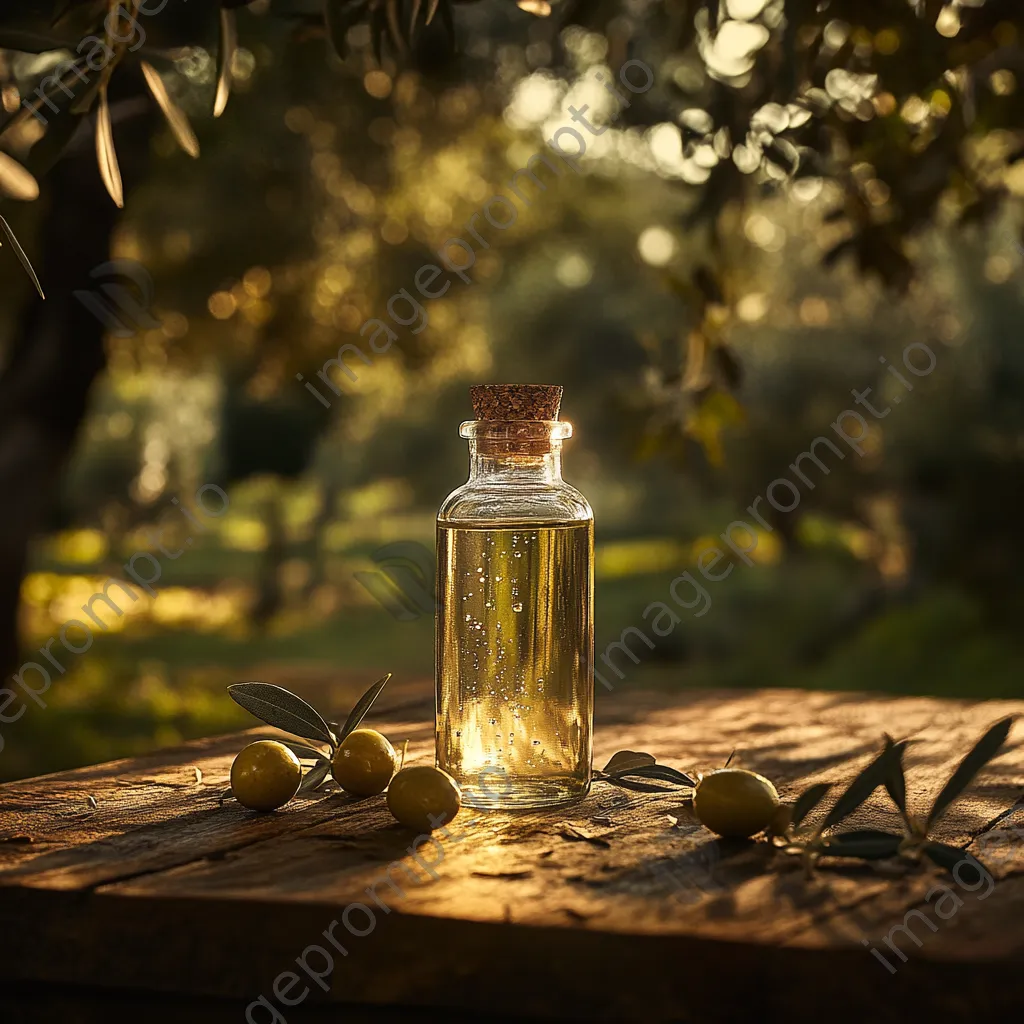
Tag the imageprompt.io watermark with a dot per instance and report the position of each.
(783, 495)
(404, 584)
(123, 311)
(360, 919)
(997, 848)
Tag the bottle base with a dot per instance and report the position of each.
(524, 794)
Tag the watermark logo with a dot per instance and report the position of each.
(404, 583)
(122, 310)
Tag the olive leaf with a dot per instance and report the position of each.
(20, 253)
(950, 856)
(284, 710)
(362, 706)
(224, 796)
(807, 801)
(225, 56)
(983, 751)
(862, 787)
(656, 771)
(887, 770)
(175, 116)
(315, 777)
(16, 181)
(624, 783)
(623, 759)
(868, 843)
(895, 780)
(303, 751)
(106, 154)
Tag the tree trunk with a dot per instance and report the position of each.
(57, 352)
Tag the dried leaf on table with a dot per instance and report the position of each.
(624, 759)
(575, 834)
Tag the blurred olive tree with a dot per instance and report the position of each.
(906, 114)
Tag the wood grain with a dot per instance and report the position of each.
(604, 910)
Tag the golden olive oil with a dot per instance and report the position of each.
(514, 649)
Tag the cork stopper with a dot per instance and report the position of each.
(516, 401)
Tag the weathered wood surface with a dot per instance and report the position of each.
(581, 913)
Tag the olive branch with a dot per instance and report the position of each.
(787, 832)
(287, 711)
(886, 770)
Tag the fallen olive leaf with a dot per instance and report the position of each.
(807, 801)
(315, 777)
(868, 844)
(502, 874)
(625, 759)
(577, 835)
(949, 857)
(655, 771)
(980, 754)
(625, 783)
(862, 786)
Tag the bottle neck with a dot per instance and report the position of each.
(515, 469)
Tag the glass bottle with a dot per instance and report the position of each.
(514, 632)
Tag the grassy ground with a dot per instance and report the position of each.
(803, 622)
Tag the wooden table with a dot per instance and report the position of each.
(158, 903)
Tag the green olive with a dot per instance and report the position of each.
(424, 798)
(265, 775)
(364, 763)
(735, 803)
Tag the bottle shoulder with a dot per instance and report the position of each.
(555, 503)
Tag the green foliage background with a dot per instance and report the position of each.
(693, 378)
